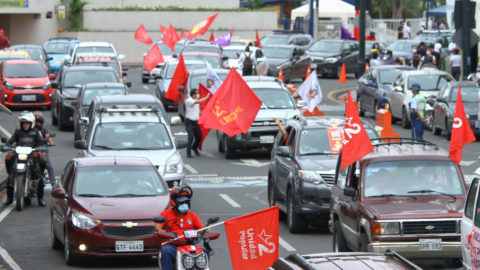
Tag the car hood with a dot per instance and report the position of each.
(318, 163)
(471, 108)
(70, 93)
(132, 208)
(424, 207)
(280, 114)
(23, 82)
(274, 62)
(56, 57)
(233, 63)
(323, 54)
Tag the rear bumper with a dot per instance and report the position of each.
(251, 140)
(327, 68)
(410, 250)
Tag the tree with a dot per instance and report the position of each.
(75, 10)
(397, 9)
(254, 4)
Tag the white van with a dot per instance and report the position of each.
(471, 218)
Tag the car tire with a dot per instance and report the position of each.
(361, 113)
(406, 124)
(54, 119)
(220, 145)
(56, 243)
(436, 130)
(449, 132)
(339, 72)
(429, 121)
(272, 198)
(145, 81)
(339, 240)
(297, 223)
(364, 242)
(61, 126)
(67, 253)
(229, 152)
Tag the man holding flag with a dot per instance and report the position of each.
(192, 115)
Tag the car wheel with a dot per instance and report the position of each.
(436, 130)
(69, 258)
(429, 121)
(56, 243)
(54, 119)
(449, 132)
(220, 145)
(339, 241)
(297, 223)
(360, 111)
(61, 125)
(405, 122)
(145, 80)
(364, 242)
(272, 198)
(229, 152)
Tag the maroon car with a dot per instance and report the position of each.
(103, 206)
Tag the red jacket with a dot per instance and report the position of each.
(370, 38)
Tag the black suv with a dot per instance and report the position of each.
(301, 172)
(287, 37)
(328, 56)
(70, 79)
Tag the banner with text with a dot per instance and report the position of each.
(13, 3)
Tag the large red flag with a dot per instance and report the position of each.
(201, 27)
(179, 78)
(163, 30)
(142, 35)
(462, 133)
(212, 38)
(259, 44)
(171, 38)
(356, 143)
(203, 92)
(233, 107)
(182, 34)
(153, 58)
(253, 239)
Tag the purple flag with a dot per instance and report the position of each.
(223, 40)
(346, 34)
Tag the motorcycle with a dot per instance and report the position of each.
(189, 256)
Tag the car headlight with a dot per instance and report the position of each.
(67, 102)
(9, 86)
(386, 228)
(165, 87)
(310, 176)
(22, 156)
(201, 262)
(331, 60)
(284, 66)
(188, 262)
(175, 167)
(60, 61)
(47, 86)
(83, 222)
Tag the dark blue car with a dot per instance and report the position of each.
(373, 86)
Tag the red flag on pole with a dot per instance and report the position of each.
(356, 143)
(163, 30)
(179, 78)
(142, 35)
(201, 27)
(233, 108)
(182, 34)
(212, 38)
(462, 133)
(203, 92)
(253, 239)
(259, 44)
(171, 38)
(153, 58)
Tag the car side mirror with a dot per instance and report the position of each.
(225, 58)
(55, 85)
(5, 148)
(174, 55)
(398, 89)
(74, 103)
(159, 219)
(284, 151)
(49, 58)
(52, 135)
(441, 100)
(125, 68)
(68, 58)
(81, 145)
(350, 192)
(59, 193)
(347, 53)
(52, 76)
(212, 220)
(181, 144)
(181, 89)
(128, 84)
(301, 103)
(158, 76)
(121, 57)
(84, 120)
(124, 74)
(4, 140)
(175, 121)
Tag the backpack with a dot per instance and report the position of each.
(247, 63)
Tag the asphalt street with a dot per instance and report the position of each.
(224, 188)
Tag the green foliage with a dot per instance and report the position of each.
(74, 15)
(384, 8)
(76, 29)
(254, 4)
(179, 8)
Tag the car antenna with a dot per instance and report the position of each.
(114, 159)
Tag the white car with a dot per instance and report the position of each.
(234, 52)
(431, 81)
(470, 219)
(94, 47)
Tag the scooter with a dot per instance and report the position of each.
(189, 256)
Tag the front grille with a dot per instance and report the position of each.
(429, 227)
(39, 98)
(473, 117)
(328, 178)
(265, 133)
(124, 232)
(265, 123)
(28, 88)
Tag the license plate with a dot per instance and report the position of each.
(430, 244)
(267, 139)
(29, 98)
(128, 246)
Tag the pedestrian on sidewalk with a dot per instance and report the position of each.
(417, 112)
(192, 115)
(371, 37)
(400, 30)
(455, 62)
(4, 41)
(407, 31)
(375, 61)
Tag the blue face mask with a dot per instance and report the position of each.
(197, 97)
(183, 208)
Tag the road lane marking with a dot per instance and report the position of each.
(146, 87)
(9, 259)
(286, 245)
(6, 212)
(190, 168)
(330, 95)
(5, 132)
(229, 200)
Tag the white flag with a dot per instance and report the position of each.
(213, 81)
(310, 91)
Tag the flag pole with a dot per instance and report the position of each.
(178, 238)
(268, 110)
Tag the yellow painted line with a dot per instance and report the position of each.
(330, 95)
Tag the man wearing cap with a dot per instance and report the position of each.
(371, 36)
(417, 112)
(390, 60)
(4, 41)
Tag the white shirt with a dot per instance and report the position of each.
(375, 62)
(244, 55)
(438, 47)
(192, 109)
(452, 46)
(406, 32)
(456, 60)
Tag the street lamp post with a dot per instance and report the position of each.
(361, 53)
(465, 38)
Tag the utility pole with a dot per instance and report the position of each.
(361, 52)
(466, 38)
(312, 17)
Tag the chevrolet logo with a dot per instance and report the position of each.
(429, 227)
(129, 224)
(266, 123)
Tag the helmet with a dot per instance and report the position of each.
(416, 86)
(27, 117)
(180, 194)
(38, 117)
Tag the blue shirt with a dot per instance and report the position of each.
(413, 103)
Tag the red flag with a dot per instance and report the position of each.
(233, 107)
(201, 27)
(179, 78)
(163, 30)
(171, 38)
(182, 34)
(253, 239)
(212, 38)
(356, 143)
(462, 133)
(153, 58)
(142, 35)
(259, 45)
(203, 92)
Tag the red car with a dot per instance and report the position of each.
(25, 83)
(103, 206)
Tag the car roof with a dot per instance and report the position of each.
(26, 46)
(392, 67)
(313, 122)
(94, 43)
(76, 68)
(15, 52)
(425, 72)
(239, 48)
(279, 32)
(204, 71)
(335, 40)
(106, 85)
(281, 46)
(112, 161)
(127, 99)
(200, 54)
(406, 149)
(135, 117)
(13, 56)
(22, 62)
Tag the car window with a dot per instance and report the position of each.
(56, 48)
(24, 71)
(274, 40)
(469, 94)
(353, 47)
(346, 47)
(326, 46)
(275, 99)
(367, 75)
(273, 52)
(66, 175)
(397, 81)
(318, 142)
(342, 178)
(389, 76)
(446, 92)
(292, 139)
(91, 93)
(293, 41)
(374, 77)
(171, 69)
(79, 78)
(212, 60)
(429, 82)
(472, 197)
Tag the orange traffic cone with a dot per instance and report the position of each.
(261, 73)
(280, 75)
(367, 66)
(309, 71)
(343, 75)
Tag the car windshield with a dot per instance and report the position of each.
(389, 76)
(237, 43)
(35, 53)
(412, 178)
(277, 53)
(233, 54)
(469, 94)
(275, 99)
(427, 38)
(209, 49)
(317, 142)
(401, 46)
(113, 65)
(94, 49)
(79, 78)
(167, 51)
(212, 60)
(24, 71)
(12, 57)
(274, 40)
(202, 79)
(90, 93)
(56, 48)
(171, 69)
(323, 46)
(118, 181)
(429, 82)
(131, 136)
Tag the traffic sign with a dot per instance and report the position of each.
(457, 38)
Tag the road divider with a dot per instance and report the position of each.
(230, 200)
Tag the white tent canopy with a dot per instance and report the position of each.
(327, 9)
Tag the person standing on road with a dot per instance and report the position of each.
(4, 41)
(455, 62)
(417, 112)
(407, 32)
(45, 134)
(478, 87)
(371, 37)
(390, 60)
(248, 62)
(192, 115)
(400, 31)
(375, 61)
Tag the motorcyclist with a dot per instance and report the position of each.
(179, 218)
(29, 136)
(45, 134)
